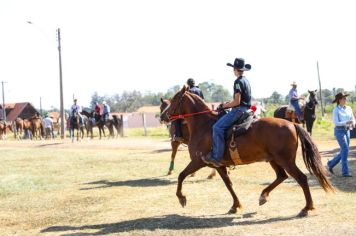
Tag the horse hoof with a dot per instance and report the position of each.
(232, 211)
(183, 201)
(262, 200)
(169, 172)
(303, 213)
(210, 176)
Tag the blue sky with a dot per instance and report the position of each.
(112, 46)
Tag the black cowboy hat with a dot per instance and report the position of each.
(239, 64)
(339, 96)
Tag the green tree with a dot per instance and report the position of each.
(276, 98)
(214, 92)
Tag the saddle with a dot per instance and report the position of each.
(239, 127)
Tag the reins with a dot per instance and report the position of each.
(182, 116)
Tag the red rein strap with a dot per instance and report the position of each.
(174, 117)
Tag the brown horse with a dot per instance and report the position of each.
(175, 144)
(3, 128)
(18, 127)
(268, 139)
(37, 128)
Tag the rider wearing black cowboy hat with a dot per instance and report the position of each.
(241, 102)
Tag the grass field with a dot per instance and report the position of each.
(104, 187)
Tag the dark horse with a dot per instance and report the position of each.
(74, 123)
(268, 139)
(175, 144)
(308, 111)
(96, 119)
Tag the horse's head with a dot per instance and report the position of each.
(163, 117)
(312, 97)
(176, 106)
(184, 102)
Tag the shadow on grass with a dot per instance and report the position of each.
(161, 150)
(49, 144)
(148, 182)
(168, 222)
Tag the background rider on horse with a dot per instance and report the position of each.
(294, 101)
(75, 108)
(178, 135)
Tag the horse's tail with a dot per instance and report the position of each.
(312, 158)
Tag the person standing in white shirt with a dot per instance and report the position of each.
(344, 120)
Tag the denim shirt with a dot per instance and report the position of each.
(106, 109)
(342, 114)
(292, 93)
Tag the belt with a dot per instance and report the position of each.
(341, 127)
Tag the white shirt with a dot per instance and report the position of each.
(47, 122)
(341, 115)
(75, 107)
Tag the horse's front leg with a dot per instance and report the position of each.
(191, 168)
(225, 177)
(175, 146)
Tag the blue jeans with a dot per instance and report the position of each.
(219, 130)
(343, 138)
(295, 104)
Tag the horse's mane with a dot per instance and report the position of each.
(197, 101)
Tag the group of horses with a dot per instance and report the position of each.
(269, 139)
(91, 119)
(33, 127)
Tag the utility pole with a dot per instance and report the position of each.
(3, 100)
(321, 97)
(60, 84)
(41, 106)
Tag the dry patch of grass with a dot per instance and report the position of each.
(117, 187)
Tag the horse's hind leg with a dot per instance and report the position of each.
(280, 177)
(225, 177)
(191, 168)
(175, 146)
(302, 180)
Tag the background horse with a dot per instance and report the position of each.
(74, 123)
(17, 127)
(308, 111)
(37, 128)
(3, 127)
(267, 140)
(175, 144)
(94, 119)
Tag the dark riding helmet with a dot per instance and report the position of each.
(191, 82)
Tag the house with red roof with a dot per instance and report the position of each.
(23, 110)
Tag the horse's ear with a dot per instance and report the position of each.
(161, 100)
(185, 88)
(309, 91)
(315, 90)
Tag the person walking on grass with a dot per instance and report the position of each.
(343, 120)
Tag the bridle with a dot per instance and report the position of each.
(311, 104)
(179, 115)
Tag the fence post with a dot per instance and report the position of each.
(122, 126)
(144, 124)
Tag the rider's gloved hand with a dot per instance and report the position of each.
(220, 107)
